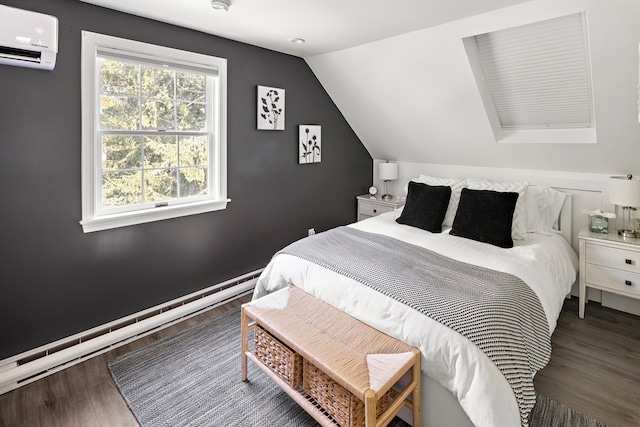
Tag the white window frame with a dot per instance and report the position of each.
(94, 218)
(505, 134)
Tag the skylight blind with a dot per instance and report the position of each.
(538, 74)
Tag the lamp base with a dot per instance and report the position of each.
(387, 197)
(628, 233)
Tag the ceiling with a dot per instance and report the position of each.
(326, 25)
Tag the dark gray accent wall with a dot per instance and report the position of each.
(56, 281)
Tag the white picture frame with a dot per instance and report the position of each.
(270, 108)
(309, 144)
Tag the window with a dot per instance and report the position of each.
(154, 132)
(535, 79)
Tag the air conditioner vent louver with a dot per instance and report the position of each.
(21, 54)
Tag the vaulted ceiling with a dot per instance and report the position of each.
(398, 71)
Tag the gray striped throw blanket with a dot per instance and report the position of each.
(496, 311)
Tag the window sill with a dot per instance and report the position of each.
(106, 222)
(546, 136)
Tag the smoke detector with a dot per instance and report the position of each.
(220, 4)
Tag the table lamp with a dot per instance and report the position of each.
(387, 172)
(625, 192)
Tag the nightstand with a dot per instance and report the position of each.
(610, 263)
(369, 205)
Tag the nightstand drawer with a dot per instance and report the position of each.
(610, 278)
(370, 209)
(614, 258)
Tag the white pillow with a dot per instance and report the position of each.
(543, 205)
(519, 224)
(456, 188)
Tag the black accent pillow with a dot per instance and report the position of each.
(426, 206)
(485, 216)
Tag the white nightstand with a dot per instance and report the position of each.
(610, 263)
(369, 205)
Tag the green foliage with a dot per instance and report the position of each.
(151, 166)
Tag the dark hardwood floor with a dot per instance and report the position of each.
(595, 364)
(595, 369)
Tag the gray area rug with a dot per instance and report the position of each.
(193, 378)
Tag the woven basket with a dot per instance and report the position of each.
(346, 409)
(283, 361)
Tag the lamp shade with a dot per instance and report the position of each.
(624, 190)
(387, 171)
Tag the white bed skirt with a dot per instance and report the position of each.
(438, 407)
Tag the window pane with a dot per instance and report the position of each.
(193, 182)
(158, 83)
(121, 189)
(158, 115)
(121, 152)
(190, 87)
(160, 185)
(119, 78)
(191, 117)
(160, 152)
(119, 113)
(193, 150)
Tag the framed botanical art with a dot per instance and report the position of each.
(270, 108)
(310, 144)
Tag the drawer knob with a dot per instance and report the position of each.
(376, 211)
(628, 261)
(628, 282)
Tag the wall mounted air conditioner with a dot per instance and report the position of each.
(28, 39)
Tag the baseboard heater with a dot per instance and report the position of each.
(35, 364)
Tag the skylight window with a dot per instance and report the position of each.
(536, 76)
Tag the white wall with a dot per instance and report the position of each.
(413, 97)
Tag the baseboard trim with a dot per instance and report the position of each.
(40, 362)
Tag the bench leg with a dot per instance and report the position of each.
(370, 408)
(244, 338)
(415, 374)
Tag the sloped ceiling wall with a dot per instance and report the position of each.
(413, 97)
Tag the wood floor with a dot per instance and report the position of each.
(595, 364)
(595, 369)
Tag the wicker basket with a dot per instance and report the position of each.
(346, 409)
(283, 361)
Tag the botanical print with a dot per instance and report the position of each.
(270, 108)
(310, 148)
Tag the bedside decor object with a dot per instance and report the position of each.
(599, 221)
(624, 191)
(270, 108)
(387, 172)
(373, 190)
(310, 146)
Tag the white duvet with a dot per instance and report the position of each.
(545, 262)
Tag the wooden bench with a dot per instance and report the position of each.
(340, 370)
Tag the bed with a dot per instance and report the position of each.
(461, 385)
